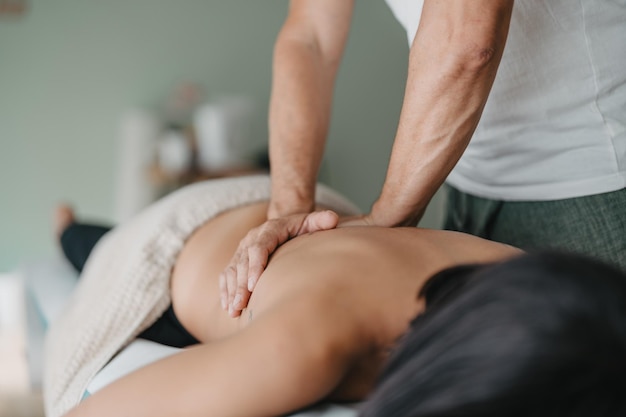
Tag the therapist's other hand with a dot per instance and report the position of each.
(360, 220)
(239, 278)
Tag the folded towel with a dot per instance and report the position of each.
(124, 287)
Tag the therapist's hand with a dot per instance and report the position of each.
(359, 220)
(239, 278)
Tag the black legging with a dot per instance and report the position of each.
(77, 242)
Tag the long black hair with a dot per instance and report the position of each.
(541, 335)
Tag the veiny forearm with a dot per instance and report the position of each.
(306, 59)
(298, 122)
(452, 66)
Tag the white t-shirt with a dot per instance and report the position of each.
(554, 126)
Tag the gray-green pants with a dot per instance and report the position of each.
(593, 225)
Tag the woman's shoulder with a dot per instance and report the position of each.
(405, 244)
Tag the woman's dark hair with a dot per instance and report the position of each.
(540, 335)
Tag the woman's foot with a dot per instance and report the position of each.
(63, 217)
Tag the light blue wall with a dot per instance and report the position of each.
(70, 69)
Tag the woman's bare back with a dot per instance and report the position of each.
(369, 276)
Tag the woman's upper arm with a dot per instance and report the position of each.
(291, 356)
(300, 354)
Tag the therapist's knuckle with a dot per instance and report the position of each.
(256, 248)
(266, 228)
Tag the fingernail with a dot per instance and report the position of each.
(250, 284)
(223, 300)
(230, 310)
(237, 300)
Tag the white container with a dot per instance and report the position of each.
(223, 130)
(174, 153)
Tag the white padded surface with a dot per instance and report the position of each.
(48, 283)
(329, 410)
(134, 356)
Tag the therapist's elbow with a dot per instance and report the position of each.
(459, 57)
(471, 57)
(478, 56)
(481, 56)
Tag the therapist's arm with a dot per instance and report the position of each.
(452, 66)
(307, 54)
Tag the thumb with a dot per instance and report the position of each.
(319, 220)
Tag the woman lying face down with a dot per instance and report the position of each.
(319, 325)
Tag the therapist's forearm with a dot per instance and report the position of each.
(452, 66)
(298, 124)
(306, 59)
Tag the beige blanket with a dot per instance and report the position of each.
(124, 287)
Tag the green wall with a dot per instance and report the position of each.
(70, 69)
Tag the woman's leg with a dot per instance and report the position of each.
(77, 239)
